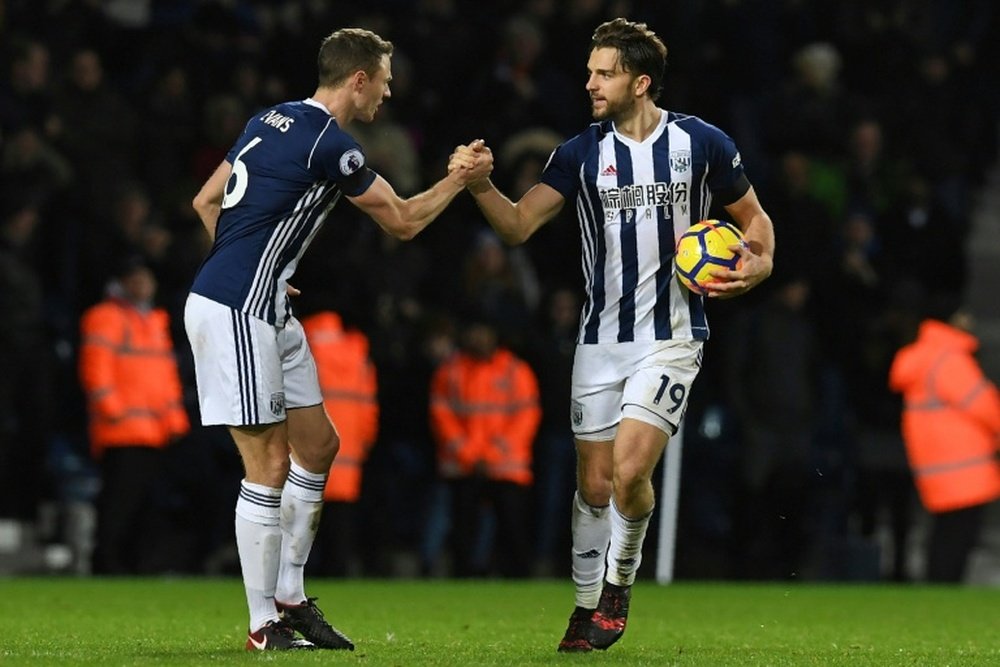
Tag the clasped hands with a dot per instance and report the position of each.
(471, 163)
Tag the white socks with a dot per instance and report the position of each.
(258, 539)
(301, 505)
(591, 533)
(625, 552)
(275, 529)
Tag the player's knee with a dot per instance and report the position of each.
(595, 488)
(270, 469)
(630, 479)
(332, 444)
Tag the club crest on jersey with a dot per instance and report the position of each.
(576, 413)
(278, 403)
(680, 161)
(351, 161)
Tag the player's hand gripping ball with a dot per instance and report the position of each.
(704, 247)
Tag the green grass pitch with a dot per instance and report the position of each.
(54, 621)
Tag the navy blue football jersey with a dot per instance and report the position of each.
(289, 167)
(633, 201)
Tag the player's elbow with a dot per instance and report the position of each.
(402, 230)
(201, 204)
(515, 238)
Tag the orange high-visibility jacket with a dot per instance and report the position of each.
(485, 413)
(951, 418)
(129, 374)
(347, 378)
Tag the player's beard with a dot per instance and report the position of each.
(613, 109)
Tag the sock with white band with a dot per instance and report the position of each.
(258, 540)
(301, 505)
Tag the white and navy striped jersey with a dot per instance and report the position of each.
(633, 201)
(289, 168)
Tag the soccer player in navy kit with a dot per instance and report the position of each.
(638, 177)
(255, 373)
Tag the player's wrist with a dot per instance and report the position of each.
(479, 187)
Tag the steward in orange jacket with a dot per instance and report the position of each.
(347, 378)
(951, 427)
(484, 415)
(130, 376)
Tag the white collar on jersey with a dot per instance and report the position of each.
(653, 136)
(311, 102)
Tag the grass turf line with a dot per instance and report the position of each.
(164, 621)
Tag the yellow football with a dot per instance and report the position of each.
(704, 246)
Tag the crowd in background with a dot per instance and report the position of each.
(866, 128)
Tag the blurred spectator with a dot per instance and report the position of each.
(26, 97)
(485, 415)
(554, 252)
(802, 221)
(551, 357)
(168, 129)
(923, 241)
(25, 400)
(129, 373)
(502, 283)
(951, 426)
(522, 86)
(772, 369)
(874, 179)
(97, 129)
(31, 166)
(950, 151)
(347, 378)
(884, 496)
(391, 152)
(813, 109)
(860, 328)
(133, 229)
(222, 122)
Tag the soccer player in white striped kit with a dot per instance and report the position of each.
(255, 373)
(638, 177)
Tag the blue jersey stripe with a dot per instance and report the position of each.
(597, 295)
(256, 299)
(588, 230)
(665, 242)
(629, 248)
(264, 283)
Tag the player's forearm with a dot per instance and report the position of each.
(420, 210)
(500, 212)
(209, 215)
(759, 235)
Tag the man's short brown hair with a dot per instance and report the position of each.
(640, 51)
(348, 50)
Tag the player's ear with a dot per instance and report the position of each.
(359, 79)
(641, 84)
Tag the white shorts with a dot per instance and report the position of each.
(647, 381)
(248, 371)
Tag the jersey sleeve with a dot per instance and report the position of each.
(726, 177)
(342, 161)
(239, 143)
(562, 171)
